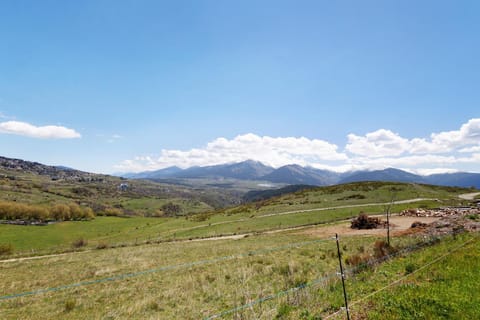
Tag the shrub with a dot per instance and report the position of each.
(409, 268)
(6, 249)
(75, 211)
(70, 305)
(102, 245)
(359, 262)
(171, 209)
(80, 242)
(60, 212)
(154, 306)
(382, 249)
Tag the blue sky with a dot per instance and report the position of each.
(109, 86)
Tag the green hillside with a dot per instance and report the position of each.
(307, 207)
(106, 195)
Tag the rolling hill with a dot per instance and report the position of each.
(34, 183)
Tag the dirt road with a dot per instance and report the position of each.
(469, 196)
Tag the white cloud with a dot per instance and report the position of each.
(44, 132)
(470, 150)
(427, 172)
(379, 143)
(384, 142)
(271, 151)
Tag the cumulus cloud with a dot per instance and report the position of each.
(43, 132)
(468, 134)
(269, 150)
(470, 150)
(427, 172)
(384, 142)
(379, 143)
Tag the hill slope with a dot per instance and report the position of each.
(34, 183)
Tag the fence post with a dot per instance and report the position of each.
(342, 274)
(388, 227)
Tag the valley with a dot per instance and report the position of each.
(269, 258)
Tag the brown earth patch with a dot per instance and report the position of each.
(397, 224)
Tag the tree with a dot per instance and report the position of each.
(171, 209)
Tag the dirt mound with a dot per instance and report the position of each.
(363, 221)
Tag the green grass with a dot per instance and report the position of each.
(378, 192)
(238, 272)
(414, 286)
(250, 218)
(448, 289)
(185, 292)
(115, 231)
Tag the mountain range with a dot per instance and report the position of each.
(296, 174)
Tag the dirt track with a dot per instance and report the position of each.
(469, 196)
(397, 224)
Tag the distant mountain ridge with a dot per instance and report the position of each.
(389, 174)
(253, 171)
(54, 172)
(296, 174)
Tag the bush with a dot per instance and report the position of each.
(171, 209)
(113, 212)
(70, 305)
(359, 262)
(102, 245)
(382, 249)
(409, 268)
(78, 243)
(6, 249)
(60, 212)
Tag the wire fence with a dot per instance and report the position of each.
(164, 268)
(324, 281)
(327, 279)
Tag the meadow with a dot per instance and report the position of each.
(172, 268)
(308, 207)
(288, 275)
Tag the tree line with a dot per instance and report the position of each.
(58, 212)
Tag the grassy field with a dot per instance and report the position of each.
(188, 281)
(131, 269)
(200, 280)
(439, 282)
(115, 231)
(321, 205)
